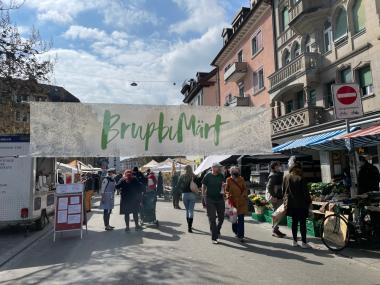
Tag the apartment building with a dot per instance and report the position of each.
(247, 57)
(317, 44)
(201, 91)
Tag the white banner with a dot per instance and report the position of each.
(79, 130)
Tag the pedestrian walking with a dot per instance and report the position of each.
(274, 194)
(108, 195)
(88, 191)
(140, 176)
(368, 178)
(160, 185)
(237, 194)
(189, 197)
(212, 189)
(152, 180)
(297, 201)
(130, 190)
(176, 192)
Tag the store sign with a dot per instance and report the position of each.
(73, 129)
(347, 101)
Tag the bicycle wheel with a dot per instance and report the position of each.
(335, 232)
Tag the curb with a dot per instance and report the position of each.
(12, 253)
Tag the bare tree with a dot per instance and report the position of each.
(11, 4)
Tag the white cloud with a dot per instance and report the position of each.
(80, 32)
(202, 15)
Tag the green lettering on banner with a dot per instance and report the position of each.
(107, 125)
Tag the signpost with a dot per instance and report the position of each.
(348, 105)
(69, 208)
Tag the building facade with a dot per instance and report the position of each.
(317, 44)
(247, 57)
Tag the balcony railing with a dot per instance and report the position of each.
(300, 7)
(300, 64)
(285, 36)
(234, 101)
(298, 119)
(235, 72)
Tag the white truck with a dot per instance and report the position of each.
(26, 184)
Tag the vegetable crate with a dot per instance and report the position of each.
(268, 217)
(312, 226)
(258, 217)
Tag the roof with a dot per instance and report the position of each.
(203, 80)
(252, 12)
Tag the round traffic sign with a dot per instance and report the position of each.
(346, 95)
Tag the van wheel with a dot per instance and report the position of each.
(42, 221)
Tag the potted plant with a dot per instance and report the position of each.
(259, 204)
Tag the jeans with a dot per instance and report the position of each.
(215, 208)
(189, 202)
(106, 217)
(299, 216)
(238, 227)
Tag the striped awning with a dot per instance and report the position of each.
(309, 141)
(368, 132)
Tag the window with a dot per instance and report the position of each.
(289, 106)
(257, 42)
(25, 117)
(286, 58)
(313, 97)
(327, 35)
(240, 56)
(346, 75)
(358, 16)
(258, 80)
(285, 19)
(18, 99)
(300, 100)
(365, 80)
(340, 25)
(307, 44)
(18, 116)
(296, 50)
(329, 97)
(241, 90)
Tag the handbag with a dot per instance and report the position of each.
(194, 187)
(279, 214)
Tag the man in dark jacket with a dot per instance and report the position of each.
(274, 193)
(368, 178)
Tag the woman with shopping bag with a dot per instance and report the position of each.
(237, 196)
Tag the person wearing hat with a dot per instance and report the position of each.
(108, 195)
(368, 178)
(212, 190)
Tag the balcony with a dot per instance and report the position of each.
(235, 72)
(311, 15)
(297, 67)
(234, 101)
(298, 119)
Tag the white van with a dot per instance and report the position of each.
(27, 184)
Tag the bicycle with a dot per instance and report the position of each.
(338, 229)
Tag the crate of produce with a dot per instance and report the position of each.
(312, 226)
(258, 217)
(268, 217)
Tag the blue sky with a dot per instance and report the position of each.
(101, 46)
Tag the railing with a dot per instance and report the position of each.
(298, 119)
(296, 10)
(301, 7)
(298, 65)
(285, 36)
(235, 71)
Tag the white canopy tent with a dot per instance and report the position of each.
(209, 161)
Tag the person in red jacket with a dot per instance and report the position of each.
(152, 180)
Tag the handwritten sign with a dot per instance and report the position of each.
(138, 130)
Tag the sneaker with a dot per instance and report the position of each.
(215, 242)
(127, 229)
(305, 245)
(278, 234)
(242, 240)
(295, 244)
(108, 228)
(111, 227)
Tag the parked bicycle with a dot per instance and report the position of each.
(352, 220)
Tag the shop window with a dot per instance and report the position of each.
(329, 97)
(346, 75)
(240, 56)
(289, 106)
(284, 19)
(300, 100)
(340, 25)
(365, 80)
(327, 35)
(257, 42)
(358, 16)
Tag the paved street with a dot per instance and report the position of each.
(169, 255)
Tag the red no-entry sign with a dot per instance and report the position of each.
(347, 101)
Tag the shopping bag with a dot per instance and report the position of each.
(231, 212)
(279, 214)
